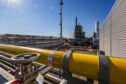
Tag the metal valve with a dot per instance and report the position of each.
(25, 69)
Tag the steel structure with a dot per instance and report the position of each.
(61, 20)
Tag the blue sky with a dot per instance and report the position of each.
(41, 17)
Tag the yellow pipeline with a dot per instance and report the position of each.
(81, 64)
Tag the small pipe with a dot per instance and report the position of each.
(64, 81)
(53, 78)
(19, 61)
(7, 63)
(7, 67)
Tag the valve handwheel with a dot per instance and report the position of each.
(25, 58)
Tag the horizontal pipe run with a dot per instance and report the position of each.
(7, 63)
(7, 67)
(82, 64)
(53, 78)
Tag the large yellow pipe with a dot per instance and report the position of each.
(81, 64)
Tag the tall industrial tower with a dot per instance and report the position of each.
(97, 26)
(79, 33)
(61, 25)
(76, 22)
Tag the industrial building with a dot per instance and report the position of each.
(96, 35)
(79, 34)
(113, 31)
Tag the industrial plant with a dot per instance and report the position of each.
(96, 59)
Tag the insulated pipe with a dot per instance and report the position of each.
(82, 64)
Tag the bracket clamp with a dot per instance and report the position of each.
(50, 58)
(65, 61)
(103, 68)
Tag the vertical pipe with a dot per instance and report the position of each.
(76, 21)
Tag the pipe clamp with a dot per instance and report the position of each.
(103, 68)
(50, 58)
(65, 60)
